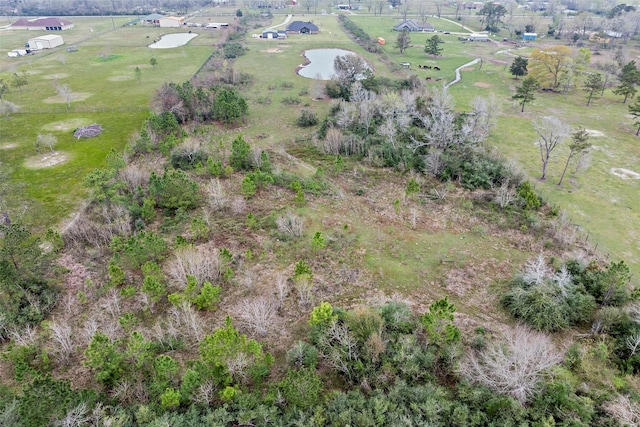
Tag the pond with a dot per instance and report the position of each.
(320, 64)
(173, 40)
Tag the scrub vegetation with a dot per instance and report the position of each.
(239, 245)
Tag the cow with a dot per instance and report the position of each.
(427, 78)
(436, 68)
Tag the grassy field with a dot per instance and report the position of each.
(102, 74)
(106, 89)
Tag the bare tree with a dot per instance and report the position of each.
(64, 92)
(217, 198)
(46, 140)
(551, 132)
(624, 410)
(256, 314)
(536, 271)
(201, 263)
(62, 337)
(505, 195)
(282, 289)
(78, 416)
(290, 225)
(515, 366)
(7, 108)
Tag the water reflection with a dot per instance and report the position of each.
(173, 40)
(320, 64)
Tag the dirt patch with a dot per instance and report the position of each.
(624, 173)
(119, 78)
(8, 146)
(55, 76)
(65, 125)
(594, 133)
(273, 50)
(482, 84)
(46, 160)
(76, 96)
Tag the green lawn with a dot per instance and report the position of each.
(107, 90)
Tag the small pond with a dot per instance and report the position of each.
(320, 64)
(173, 40)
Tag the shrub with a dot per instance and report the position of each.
(187, 157)
(307, 118)
(174, 190)
(530, 200)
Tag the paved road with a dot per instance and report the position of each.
(458, 77)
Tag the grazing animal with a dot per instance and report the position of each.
(438, 79)
(427, 78)
(436, 68)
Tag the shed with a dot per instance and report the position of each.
(48, 41)
(478, 38)
(529, 36)
(270, 34)
(171, 22)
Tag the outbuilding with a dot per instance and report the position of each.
(529, 37)
(478, 38)
(171, 22)
(48, 41)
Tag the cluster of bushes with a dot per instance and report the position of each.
(26, 292)
(359, 34)
(392, 367)
(550, 299)
(197, 102)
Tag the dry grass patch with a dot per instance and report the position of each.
(56, 76)
(75, 96)
(119, 78)
(46, 160)
(65, 125)
(8, 146)
(624, 173)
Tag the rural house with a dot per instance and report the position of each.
(42, 24)
(412, 26)
(301, 27)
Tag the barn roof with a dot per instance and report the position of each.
(42, 22)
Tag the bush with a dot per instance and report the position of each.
(187, 157)
(307, 118)
(548, 300)
(233, 50)
(174, 190)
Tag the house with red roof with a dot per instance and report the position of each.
(42, 24)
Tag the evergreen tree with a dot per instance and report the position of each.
(593, 86)
(518, 67)
(526, 92)
(403, 41)
(433, 46)
(634, 110)
(629, 78)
